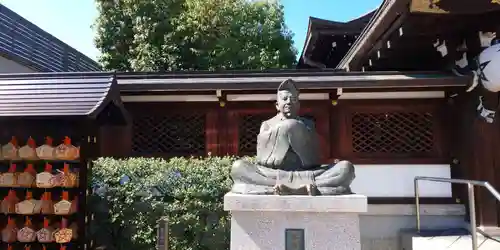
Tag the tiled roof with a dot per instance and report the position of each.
(47, 95)
(27, 44)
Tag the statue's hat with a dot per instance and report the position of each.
(289, 85)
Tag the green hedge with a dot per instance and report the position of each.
(131, 195)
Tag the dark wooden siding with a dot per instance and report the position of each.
(230, 130)
(418, 127)
(389, 131)
(475, 147)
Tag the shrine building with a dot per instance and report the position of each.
(390, 91)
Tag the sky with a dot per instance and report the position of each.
(71, 20)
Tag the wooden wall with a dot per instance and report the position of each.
(362, 131)
(475, 142)
(358, 130)
(475, 146)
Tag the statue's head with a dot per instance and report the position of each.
(287, 99)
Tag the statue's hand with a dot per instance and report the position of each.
(326, 166)
(288, 124)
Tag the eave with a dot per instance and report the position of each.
(55, 95)
(400, 38)
(372, 31)
(318, 48)
(325, 80)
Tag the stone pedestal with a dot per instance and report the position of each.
(259, 222)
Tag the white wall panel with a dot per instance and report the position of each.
(379, 180)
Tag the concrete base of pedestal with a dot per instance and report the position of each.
(259, 222)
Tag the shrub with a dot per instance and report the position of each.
(131, 195)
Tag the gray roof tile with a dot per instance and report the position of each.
(64, 94)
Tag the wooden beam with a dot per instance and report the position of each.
(411, 59)
(478, 143)
(408, 43)
(419, 30)
(454, 7)
(417, 47)
(387, 34)
(349, 33)
(311, 81)
(382, 19)
(450, 25)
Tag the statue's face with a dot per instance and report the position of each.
(287, 103)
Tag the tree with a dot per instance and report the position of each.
(158, 35)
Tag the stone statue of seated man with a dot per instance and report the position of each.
(288, 155)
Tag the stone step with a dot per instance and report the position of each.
(456, 239)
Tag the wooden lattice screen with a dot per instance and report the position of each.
(361, 131)
(248, 129)
(392, 131)
(169, 135)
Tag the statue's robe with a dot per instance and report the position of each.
(288, 154)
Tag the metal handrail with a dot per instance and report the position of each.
(472, 206)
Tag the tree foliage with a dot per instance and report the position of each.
(158, 35)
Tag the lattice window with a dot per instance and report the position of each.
(172, 135)
(248, 129)
(392, 133)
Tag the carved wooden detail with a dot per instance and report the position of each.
(180, 134)
(392, 133)
(386, 132)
